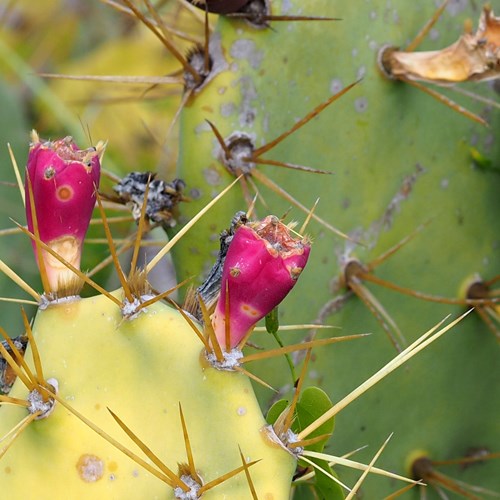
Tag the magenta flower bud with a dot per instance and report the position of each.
(262, 265)
(63, 180)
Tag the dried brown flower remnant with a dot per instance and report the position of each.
(473, 57)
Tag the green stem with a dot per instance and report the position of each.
(287, 357)
(272, 326)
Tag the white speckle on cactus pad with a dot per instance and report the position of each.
(192, 494)
(434, 34)
(361, 104)
(231, 360)
(46, 301)
(38, 404)
(246, 49)
(227, 109)
(336, 85)
(283, 441)
(129, 309)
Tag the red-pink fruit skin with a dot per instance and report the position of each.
(63, 192)
(257, 279)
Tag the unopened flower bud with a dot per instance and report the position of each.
(262, 265)
(62, 181)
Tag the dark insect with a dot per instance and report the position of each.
(209, 290)
(163, 197)
(7, 374)
(220, 6)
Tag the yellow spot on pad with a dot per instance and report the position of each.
(90, 468)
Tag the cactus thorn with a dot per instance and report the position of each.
(247, 474)
(191, 323)
(237, 146)
(423, 468)
(423, 341)
(161, 296)
(173, 480)
(158, 32)
(359, 482)
(133, 80)
(27, 378)
(290, 412)
(17, 173)
(38, 251)
(70, 267)
(40, 379)
(378, 310)
(39, 399)
(112, 249)
(305, 326)
(188, 226)
(281, 192)
(309, 217)
(318, 468)
(307, 118)
(402, 490)
(225, 477)
(473, 456)
(240, 156)
(215, 347)
(16, 431)
(447, 102)
(419, 38)
(187, 445)
(258, 14)
(298, 347)
(333, 460)
(13, 401)
(263, 383)
(19, 281)
(477, 294)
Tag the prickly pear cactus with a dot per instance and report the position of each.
(124, 396)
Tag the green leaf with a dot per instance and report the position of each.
(325, 486)
(276, 410)
(313, 403)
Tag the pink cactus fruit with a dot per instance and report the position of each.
(63, 180)
(262, 265)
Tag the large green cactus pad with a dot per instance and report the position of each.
(399, 158)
